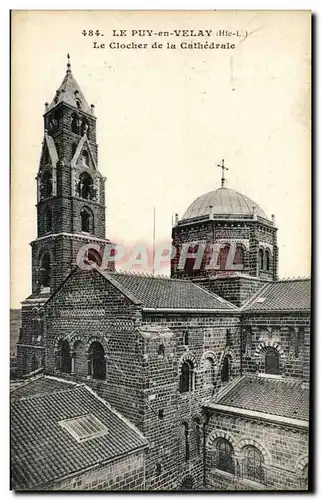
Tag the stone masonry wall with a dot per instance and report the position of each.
(125, 474)
(207, 336)
(252, 233)
(235, 289)
(284, 448)
(89, 309)
(290, 333)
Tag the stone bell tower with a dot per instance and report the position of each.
(70, 207)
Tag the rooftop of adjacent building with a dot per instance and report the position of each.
(59, 428)
(272, 396)
(284, 295)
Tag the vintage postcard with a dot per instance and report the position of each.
(160, 251)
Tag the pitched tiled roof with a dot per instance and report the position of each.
(276, 397)
(166, 293)
(287, 295)
(40, 385)
(42, 451)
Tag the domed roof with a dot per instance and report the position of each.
(224, 202)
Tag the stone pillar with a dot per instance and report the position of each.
(73, 356)
(89, 365)
(57, 359)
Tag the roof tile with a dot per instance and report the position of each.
(287, 295)
(277, 397)
(43, 452)
(166, 293)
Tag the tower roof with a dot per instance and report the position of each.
(70, 93)
(224, 201)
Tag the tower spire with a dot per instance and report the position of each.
(70, 93)
(223, 175)
(68, 64)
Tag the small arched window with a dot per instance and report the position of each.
(45, 270)
(48, 220)
(57, 115)
(187, 377)
(46, 185)
(75, 121)
(197, 435)
(64, 357)
(224, 455)
(239, 256)
(85, 158)
(158, 469)
(190, 261)
(226, 369)
(85, 186)
(93, 256)
(222, 257)
(185, 338)
(84, 126)
(272, 361)
(98, 362)
(161, 350)
(209, 372)
(73, 149)
(253, 464)
(186, 441)
(87, 220)
(267, 260)
(34, 363)
(261, 258)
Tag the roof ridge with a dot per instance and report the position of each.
(218, 297)
(295, 278)
(282, 380)
(256, 295)
(45, 394)
(119, 415)
(122, 288)
(135, 274)
(27, 382)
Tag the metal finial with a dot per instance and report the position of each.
(68, 63)
(223, 176)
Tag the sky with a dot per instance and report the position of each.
(166, 118)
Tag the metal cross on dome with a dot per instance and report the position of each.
(223, 175)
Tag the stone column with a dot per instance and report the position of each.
(89, 365)
(73, 356)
